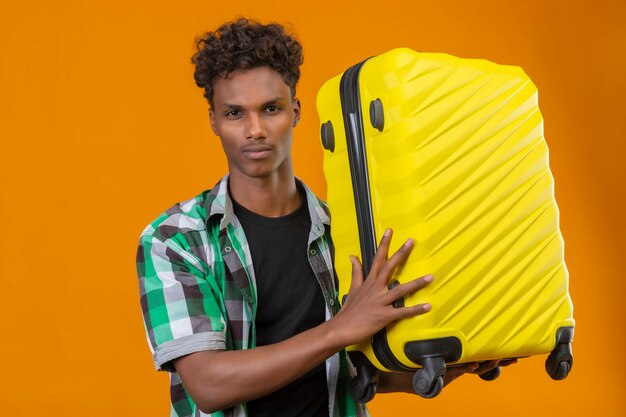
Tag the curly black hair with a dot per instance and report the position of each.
(245, 44)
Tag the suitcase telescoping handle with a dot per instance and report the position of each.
(363, 385)
(360, 187)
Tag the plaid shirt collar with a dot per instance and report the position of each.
(219, 204)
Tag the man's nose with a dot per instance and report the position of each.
(255, 128)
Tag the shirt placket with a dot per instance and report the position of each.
(323, 272)
(237, 270)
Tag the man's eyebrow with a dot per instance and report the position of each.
(277, 100)
(228, 106)
(274, 101)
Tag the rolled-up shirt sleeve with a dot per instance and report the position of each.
(181, 312)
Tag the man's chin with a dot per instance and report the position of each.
(259, 173)
(261, 170)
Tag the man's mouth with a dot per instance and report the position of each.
(257, 151)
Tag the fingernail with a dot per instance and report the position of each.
(408, 243)
(428, 278)
(387, 232)
(426, 307)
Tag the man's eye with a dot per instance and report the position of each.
(271, 109)
(233, 113)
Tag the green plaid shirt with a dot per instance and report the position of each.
(198, 291)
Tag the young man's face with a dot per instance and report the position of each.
(254, 115)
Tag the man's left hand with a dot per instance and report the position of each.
(403, 381)
(454, 372)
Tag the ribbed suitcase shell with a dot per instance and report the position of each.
(461, 166)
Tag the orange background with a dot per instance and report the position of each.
(102, 128)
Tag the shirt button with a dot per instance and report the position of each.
(227, 249)
(312, 252)
(332, 302)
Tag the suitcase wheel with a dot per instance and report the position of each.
(428, 381)
(377, 115)
(363, 385)
(562, 371)
(560, 361)
(491, 375)
(363, 394)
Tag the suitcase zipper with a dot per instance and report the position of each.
(353, 122)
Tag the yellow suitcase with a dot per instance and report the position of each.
(450, 152)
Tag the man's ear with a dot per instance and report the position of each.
(212, 120)
(297, 111)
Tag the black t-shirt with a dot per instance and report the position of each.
(289, 301)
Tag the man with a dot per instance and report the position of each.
(237, 285)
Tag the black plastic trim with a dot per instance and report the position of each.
(565, 334)
(382, 351)
(353, 121)
(357, 156)
(377, 115)
(328, 136)
(450, 348)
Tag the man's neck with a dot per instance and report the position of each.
(272, 196)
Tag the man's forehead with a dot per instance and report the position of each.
(255, 86)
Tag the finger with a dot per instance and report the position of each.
(357, 273)
(507, 362)
(467, 368)
(404, 312)
(402, 290)
(486, 367)
(397, 258)
(382, 252)
(454, 372)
